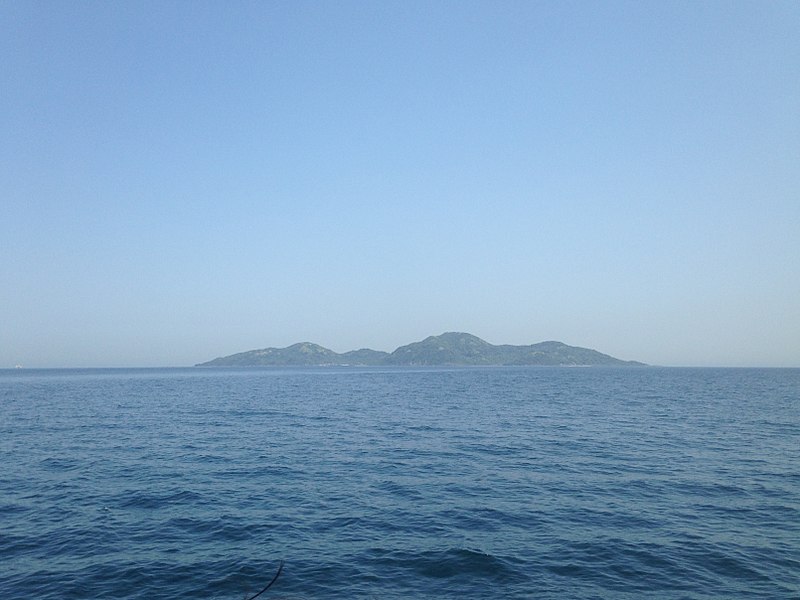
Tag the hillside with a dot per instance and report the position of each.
(446, 349)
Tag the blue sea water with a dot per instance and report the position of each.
(400, 483)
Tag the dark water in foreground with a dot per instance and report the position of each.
(371, 483)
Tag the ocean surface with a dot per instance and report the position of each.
(400, 483)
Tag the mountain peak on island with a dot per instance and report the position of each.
(449, 348)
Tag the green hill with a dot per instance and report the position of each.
(446, 349)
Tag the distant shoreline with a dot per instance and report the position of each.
(447, 349)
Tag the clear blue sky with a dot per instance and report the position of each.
(184, 180)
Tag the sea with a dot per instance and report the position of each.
(486, 482)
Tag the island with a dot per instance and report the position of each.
(447, 349)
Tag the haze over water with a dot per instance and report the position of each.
(400, 483)
(181, 181)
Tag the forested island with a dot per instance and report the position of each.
(437, 350)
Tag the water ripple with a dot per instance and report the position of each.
(393, 483)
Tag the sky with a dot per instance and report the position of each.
(185, 180)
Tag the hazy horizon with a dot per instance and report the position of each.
(183, 181)
(388, 350)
